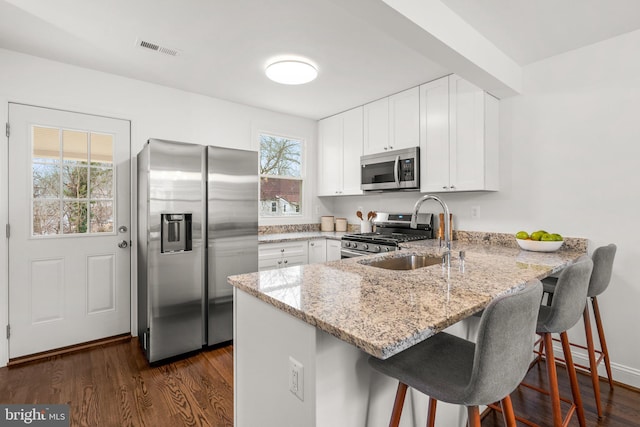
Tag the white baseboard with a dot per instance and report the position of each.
(621, 373)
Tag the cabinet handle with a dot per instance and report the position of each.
(391, 147)
(285, 261)
(385, 148)
(282, 250)
(453, 187)
(444, 187)
(312, 244)
(279, 262)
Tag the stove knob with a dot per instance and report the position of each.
(365, 247)
(376, 249)
(354, 245)
(387, 249)
(347, 244)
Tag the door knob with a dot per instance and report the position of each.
(123, 244)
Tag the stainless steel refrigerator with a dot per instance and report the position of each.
(197, 224)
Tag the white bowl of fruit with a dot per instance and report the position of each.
(539, 241)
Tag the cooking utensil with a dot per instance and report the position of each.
(371, 215)
(359, 215)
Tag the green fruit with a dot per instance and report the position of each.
(537, 235)
(522, 235)
(557, 237)
(547, 238)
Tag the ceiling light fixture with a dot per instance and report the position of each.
(291, 72)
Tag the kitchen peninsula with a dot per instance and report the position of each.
(330, 317)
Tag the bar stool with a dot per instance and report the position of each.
(563, 313)
(457, 371)
(600, 278)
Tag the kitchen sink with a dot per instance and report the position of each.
(407, 262)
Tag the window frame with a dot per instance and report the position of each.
(304, 212)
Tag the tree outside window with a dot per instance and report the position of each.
(280, 176)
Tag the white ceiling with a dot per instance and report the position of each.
(225, 45)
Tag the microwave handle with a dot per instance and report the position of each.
(396, 173)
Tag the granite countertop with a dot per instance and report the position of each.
(384, 312)
(305, 235)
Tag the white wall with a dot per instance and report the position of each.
(569, 163)
(154, 111)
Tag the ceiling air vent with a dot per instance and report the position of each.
(158, 48)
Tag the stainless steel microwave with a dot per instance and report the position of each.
(391, 170)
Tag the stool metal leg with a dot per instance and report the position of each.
(431, 414)
(571, 370)
(474, 416)
(603, 341)
(554, 393)
(398, 404)
(593, 366)
(507, 412)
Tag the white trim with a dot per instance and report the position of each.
(4, 247)
(307, 191)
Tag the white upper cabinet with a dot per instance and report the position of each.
(340, 147)
(392, 123)
(458, 137)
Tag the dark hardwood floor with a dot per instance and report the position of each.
(112, 385)
(620, 405)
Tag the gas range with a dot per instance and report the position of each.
(391, 230)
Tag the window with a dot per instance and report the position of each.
(72, 182)
(281, 177)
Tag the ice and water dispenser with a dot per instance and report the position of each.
(176, 232)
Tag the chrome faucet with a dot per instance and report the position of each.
(447, 225)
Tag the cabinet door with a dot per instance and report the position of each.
(330, 161)
(352, 150)
(434, 136)
(376, 126)
(404, 119)
(317, 251)
(333, 250)
(466, 139)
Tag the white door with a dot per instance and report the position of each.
(69, 217)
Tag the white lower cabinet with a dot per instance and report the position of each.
(287, 254)
(317, 251)
(333, 249)
(279, 255)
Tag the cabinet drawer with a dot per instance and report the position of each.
(276, 250)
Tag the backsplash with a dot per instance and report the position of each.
(299, 228)
(287, 228)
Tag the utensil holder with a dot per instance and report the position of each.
(366, 227)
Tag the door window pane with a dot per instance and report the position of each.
(75, 145)
(46, 217)
(101, 183)
(46, 181)
(74, 182)
(74, 217)
(46, 145)
(101, 149)
(102, 217)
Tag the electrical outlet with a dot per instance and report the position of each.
(296, 378)
(475, 212)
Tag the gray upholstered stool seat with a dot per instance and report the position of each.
(458, 371)
(602, 258)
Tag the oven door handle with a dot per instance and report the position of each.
(346, 253)
(396, 172)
